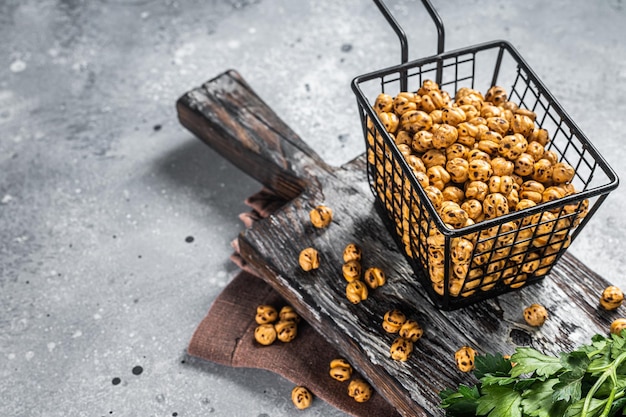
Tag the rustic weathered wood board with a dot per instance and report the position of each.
(227, 115)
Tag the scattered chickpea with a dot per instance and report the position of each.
(374, 277)
(356, 291)
(321, 216)
(360, 390)
(265, 334)
(352, 252)
(393, 321)
(535, 315)
(309, 259)
(612, 298)
(464, 358)
(265, 314)
(340, 369)
(401, 349)
(301, 397)
(618, 325)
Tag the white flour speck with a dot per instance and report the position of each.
(6, 199)
(29, 355)
(76, 334)
(18, 66)
(51, 346)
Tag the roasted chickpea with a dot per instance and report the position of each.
(524, 165)
(286, 331)
(495, 205)
(512, 146)
(473, 208)
(374, 277)
(415, 120)
(542, 171)
(496, 95)
(389, 120)
(535, 315)
(287, 313)
(467, 129)
(522, 124)
(498, 124)
(422, 141)
(480, 170)
(444, 136)
(456, 150)
(452, 214)
(265, 334)
(411, 330)
(452, 115)
(539, 135)
(612, 298)
(356, 291)
(477, 190)
(458, 168)
(536, 150)
(401, 349)
(618, 325)
(532, 190)
(416, 163)
(352, 252)
(403, 137)
(265, 314)
(321, 216)
(434, 157)
(464, 358)
(301, 397)
(461, 252)
(393, 321)
(405, 102)
(501, 184)
(477, 154)
(309, 259)
(351, 270)
(452, 193)
(438, 177)
(562, 173)
(435, 196)
(360, 390)
(383, 103)
(340, 369)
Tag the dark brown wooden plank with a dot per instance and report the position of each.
(272, 247)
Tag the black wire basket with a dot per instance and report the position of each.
(460, 263)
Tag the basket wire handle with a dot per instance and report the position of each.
(404, 44)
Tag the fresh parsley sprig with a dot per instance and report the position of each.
(590, 381)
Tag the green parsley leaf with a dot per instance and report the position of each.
(537, 401)
(499, 402)
(595, 409)
(491, 364)
(569, 387)
(460, 403)
(529, 360)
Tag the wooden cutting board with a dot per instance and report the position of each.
(227, 115)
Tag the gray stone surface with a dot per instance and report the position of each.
(100, 186)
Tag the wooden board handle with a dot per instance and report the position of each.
(229, 116)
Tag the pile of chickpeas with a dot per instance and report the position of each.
(477, 157)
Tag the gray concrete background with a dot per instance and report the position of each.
(100, 186)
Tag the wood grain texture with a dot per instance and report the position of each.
(271, 247)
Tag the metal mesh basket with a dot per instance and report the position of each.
(506, 252)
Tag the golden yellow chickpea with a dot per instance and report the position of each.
(321, 216)
(340, 369)
(612, 297)
(356, 291)
(265, 334)
(374, 277)
(301, 397)
(535, 315)
(265, 314)
(360, 390)
(309, 259)
(618, 325)
(464, 358)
